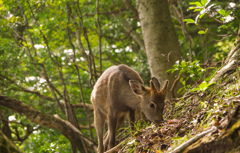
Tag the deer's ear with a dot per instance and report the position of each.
(152, 86)
(156, 83)
(136, 87)
(164, 88)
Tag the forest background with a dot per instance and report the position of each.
(52, 53)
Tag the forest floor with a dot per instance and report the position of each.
(200, 121)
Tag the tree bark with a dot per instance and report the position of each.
(65, 127)
(160, 39)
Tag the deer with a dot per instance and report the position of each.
(120, 91)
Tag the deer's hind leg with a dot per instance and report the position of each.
(99, 120)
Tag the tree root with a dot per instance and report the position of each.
(192, 140)
(227, 141)
(223, 70)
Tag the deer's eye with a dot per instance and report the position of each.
(152, 105)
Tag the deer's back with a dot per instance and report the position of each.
(113, 90)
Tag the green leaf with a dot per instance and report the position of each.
(183, 81)
(195, 89)
(196, 3)
(228, 12)
(222, 19)
(183, 63)
(203, 86)
(211, 84)
(201, 32)
(204, 2)
(24, 43)
(192, 8)
(223, 27)
(222, 12)
(189, 21)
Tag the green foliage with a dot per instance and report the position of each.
(206, 13)
(29, 53)
(193, 69)
(203, 86)
(202, 8)
(34, 57)
(47, 141)
(208, 24)
(190, 71)
(213, 11)
(202, 31)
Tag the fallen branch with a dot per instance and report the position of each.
(192, 140)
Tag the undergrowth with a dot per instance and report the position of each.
(203, 105)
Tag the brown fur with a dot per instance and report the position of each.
(120, 91)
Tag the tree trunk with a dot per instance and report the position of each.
(160, 39)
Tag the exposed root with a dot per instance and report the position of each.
(192, 140)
